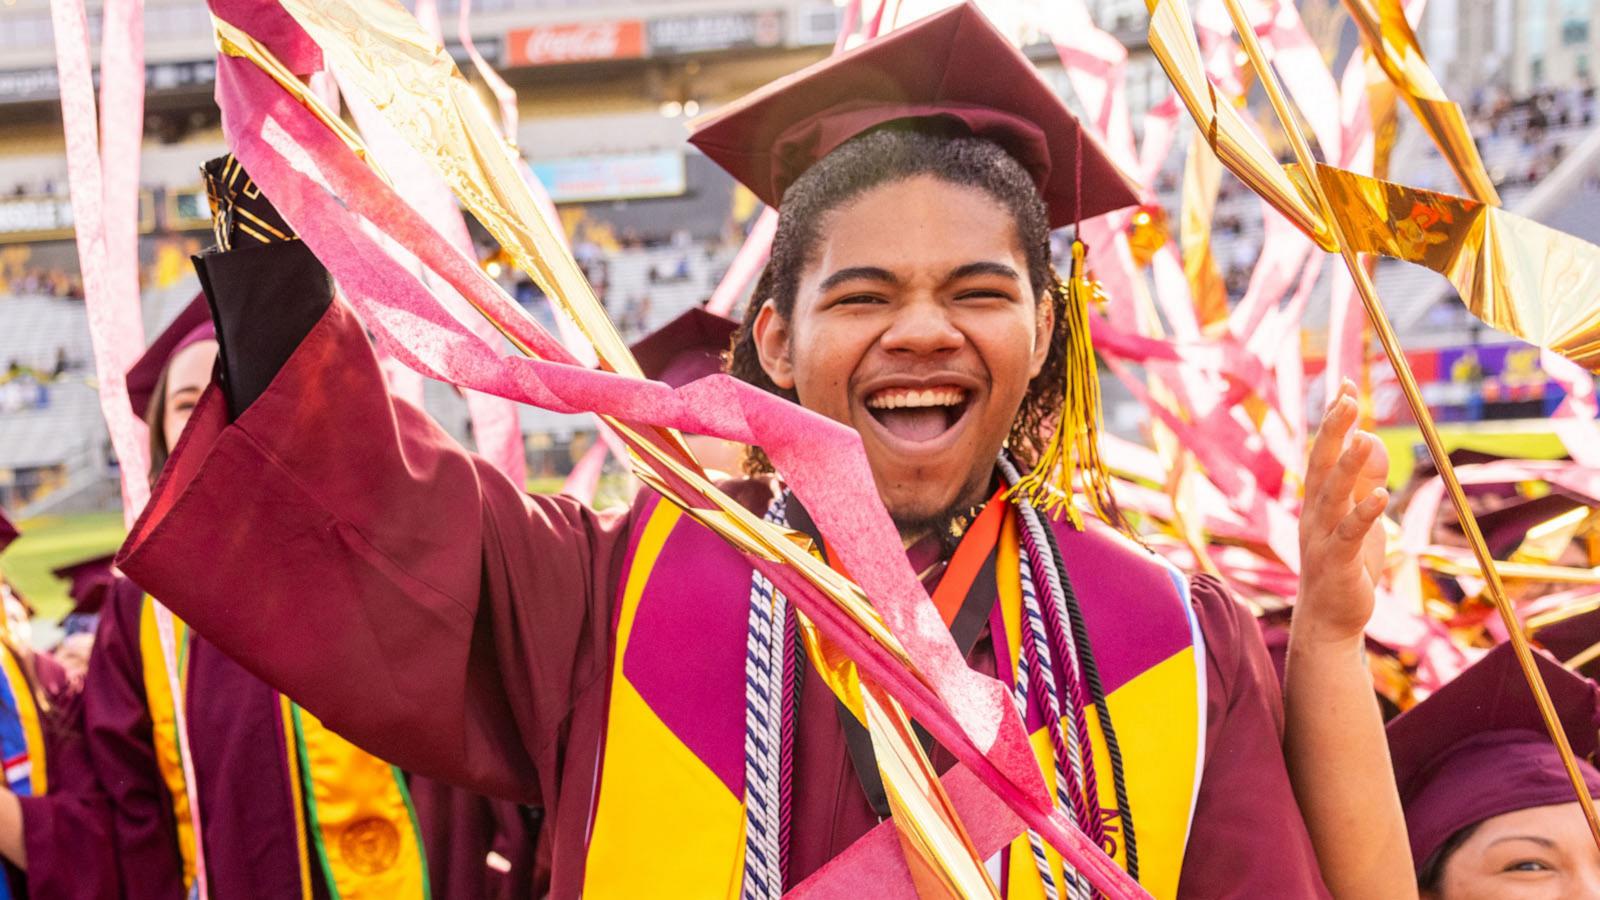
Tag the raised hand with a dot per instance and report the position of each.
(1341, 538)
(1333, 735)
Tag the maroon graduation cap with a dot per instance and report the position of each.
(1477, 748)
(191, 325)
(89, 582)
(686, 348)
(8, 531)
(1505, 529)
(950, 71)
(1573, 636)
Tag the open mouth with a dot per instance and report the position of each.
(918, 415)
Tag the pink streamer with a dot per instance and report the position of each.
(1305, 74)
(495, 427)
(305, 168)
(747, 265)
(1574, 420)
(584, 479)
(107, 249)
(504, 96)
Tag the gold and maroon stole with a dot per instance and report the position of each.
(674, 744)
(1149, 656)
(351, 808)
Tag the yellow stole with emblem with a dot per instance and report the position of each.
(352, 809)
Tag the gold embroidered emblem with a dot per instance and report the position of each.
(370, 845)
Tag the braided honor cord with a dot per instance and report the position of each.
(764, 732)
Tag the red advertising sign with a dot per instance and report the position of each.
(548, 45)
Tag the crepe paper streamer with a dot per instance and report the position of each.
(1574, 420)
(505, 97)
(584, 479)
(100, 187)
(747, 265)
(1284, 251)
(875, 858)
(270, 24)
(1387, 35)
(1305, 74)
(1095, 61)
(496, 429)
(297, 160)
(1160, 133)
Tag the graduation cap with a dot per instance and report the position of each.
(1505, 529)
(8, 531)
(686, 348)
(1570, 637)
(950, 72)
(190, 327)
(88, 583)
(1477, 748)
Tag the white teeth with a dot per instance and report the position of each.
(899, 398)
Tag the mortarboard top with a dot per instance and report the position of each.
(90, 580)
(686, 348)
(1572, 636)
(1504, 529)
(191, 325)
(1477, 748)
(951, 70)
(8, 531)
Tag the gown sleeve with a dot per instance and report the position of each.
(67, 831)
(340, 546)
(1248, 838)
(121, 748)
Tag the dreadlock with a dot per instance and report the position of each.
(887, 155)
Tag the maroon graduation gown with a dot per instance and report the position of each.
(416, 601)
(247, 809)
(67, 831)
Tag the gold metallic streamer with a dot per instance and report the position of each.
(1393, 45)
(1419, 409)
(1523, 278)
(1202, 180)
(1173, 41)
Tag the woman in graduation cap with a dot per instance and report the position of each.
(1488, 804)
(55, 825)
(594, 663)
(287, 808)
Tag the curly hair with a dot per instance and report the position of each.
(883, 156)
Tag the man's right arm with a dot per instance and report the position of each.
(343, 548)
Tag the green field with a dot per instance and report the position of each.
(51, 542)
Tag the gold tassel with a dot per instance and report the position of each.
(1074, 448)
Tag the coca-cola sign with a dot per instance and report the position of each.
(548, 45)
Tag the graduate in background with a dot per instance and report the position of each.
(687, 348)
(539, 650)
(89, 582)
(1488, 806)
(55, 826)
(287, 808)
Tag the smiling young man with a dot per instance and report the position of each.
(595, 663)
